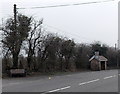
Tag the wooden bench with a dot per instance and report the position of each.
(20, 72)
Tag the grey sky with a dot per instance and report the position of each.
(83, 23)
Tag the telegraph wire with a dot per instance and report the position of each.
(65, 5)
(76, 35)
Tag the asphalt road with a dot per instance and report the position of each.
(94, 81)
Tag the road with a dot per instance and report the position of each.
(94, 81)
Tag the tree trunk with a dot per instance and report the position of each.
(29, 62)
(15, 60)
(29, 58)
(61, 62)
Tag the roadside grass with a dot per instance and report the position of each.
(55, 73)
(50, 74)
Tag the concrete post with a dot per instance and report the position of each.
(105, 65)
(99, 65)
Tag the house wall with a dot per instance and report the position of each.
(95, 65)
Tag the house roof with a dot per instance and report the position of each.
(99, 58)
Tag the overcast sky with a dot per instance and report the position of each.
(83, 23)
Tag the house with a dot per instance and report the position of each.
(98, 62)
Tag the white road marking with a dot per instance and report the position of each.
(59, 89)
(82, 83)
(89, 82)
(65, 87)
(93, 81)
(54, 90)
(109, 77)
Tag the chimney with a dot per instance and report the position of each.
(96, 53)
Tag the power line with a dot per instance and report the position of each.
(65, 5)
(69, 33)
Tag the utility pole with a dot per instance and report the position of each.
(116, 50)
(116, 55)
(115, 46)
(15, 31)
(15, 12)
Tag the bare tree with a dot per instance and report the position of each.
(34, 39)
